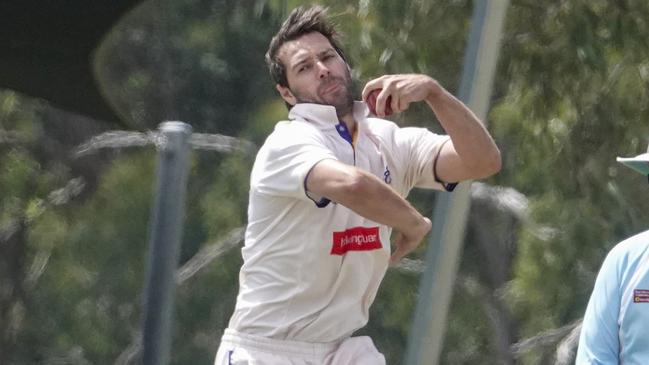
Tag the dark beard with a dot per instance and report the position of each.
(343, 100)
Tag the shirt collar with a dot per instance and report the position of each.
(324, 116)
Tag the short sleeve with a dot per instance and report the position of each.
(419, 149)
(285, 160)
(599, 338)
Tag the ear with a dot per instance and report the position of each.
(286, 94)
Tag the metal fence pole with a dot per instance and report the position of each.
(450, 215)
(165, 236)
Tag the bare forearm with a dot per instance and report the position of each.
(363, 193)
(471, 140)
(372, 199)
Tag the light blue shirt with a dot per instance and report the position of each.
(616, 324)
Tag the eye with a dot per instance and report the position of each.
(304, 67)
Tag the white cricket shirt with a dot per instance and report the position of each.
(312, 267)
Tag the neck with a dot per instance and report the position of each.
(350, 122)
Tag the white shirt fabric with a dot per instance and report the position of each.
(312, 267)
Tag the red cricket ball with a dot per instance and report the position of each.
(371, 102)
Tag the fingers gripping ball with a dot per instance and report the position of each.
(371, 102)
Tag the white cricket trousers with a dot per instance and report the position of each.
(243, 349)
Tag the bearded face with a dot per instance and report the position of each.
(332, 90)
(316, 74)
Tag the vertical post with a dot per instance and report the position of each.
(165, 236)
(451, 210)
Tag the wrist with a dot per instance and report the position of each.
(435, 91)
(420, 225)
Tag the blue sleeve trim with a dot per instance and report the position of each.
(447, 186)
(323, 202)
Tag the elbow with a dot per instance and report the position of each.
(357, 188)
(491, 165)
(348, 187)
(495, 163)
(357, 184)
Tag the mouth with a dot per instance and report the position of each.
(331, 88)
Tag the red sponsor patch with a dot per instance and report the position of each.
(640, 296)
(356, 239)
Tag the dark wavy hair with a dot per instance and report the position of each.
(301, 21)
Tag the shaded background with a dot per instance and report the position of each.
(571, 93)
(48, 51)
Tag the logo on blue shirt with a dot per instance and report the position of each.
(640, 296)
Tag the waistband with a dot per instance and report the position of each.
(272, 345)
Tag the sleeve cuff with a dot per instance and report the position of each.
(447, 186)
(320, 202)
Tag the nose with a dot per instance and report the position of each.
(323, 70)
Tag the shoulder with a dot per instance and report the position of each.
(293, 128)
(388, 132)
(626, 255)
(381, 126)
(631, 248)
(388, 128)
(404, 138)
(287, 133)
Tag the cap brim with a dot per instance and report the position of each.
(639, 163)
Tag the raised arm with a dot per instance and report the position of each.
(369, 197)
(471, 154)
